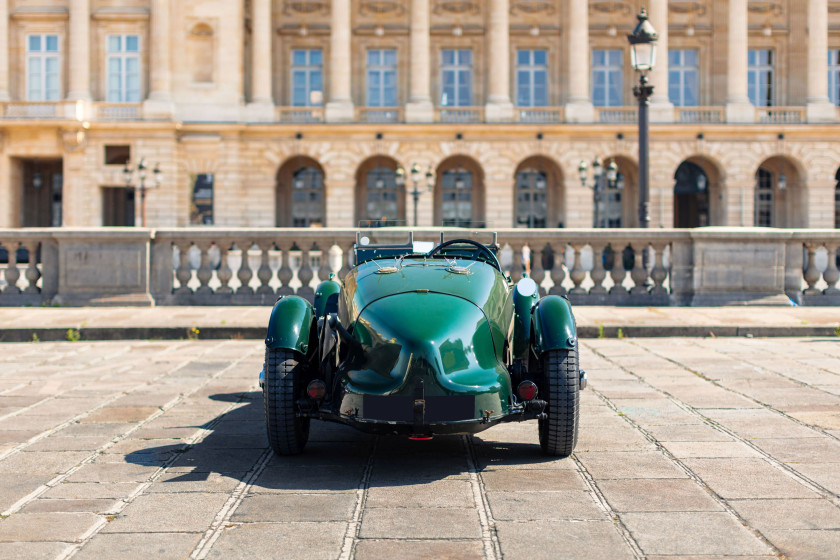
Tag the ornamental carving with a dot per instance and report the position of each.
(688, 7)
(306, 7)
(460, 7)
(531, 7)
(611, 7)
(770, 8)
(382, 8)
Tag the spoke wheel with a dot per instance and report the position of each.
(287, 432)
(561, 386)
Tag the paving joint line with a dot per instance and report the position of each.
(604, 504)
(489, 532)
(99, 450)
(354, 525)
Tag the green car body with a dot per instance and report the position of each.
(420, 344)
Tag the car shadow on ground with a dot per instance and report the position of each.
(334, 459)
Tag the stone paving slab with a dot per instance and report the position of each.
(167, 458)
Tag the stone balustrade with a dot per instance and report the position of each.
(252, 266)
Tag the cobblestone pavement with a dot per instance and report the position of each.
(688, 448)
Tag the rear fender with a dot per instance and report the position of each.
(290, 325)
(553, 325)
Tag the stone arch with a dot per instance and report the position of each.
(379, 192)
(628, 191)
(459, 192)
(202, 53)
(300, 199)
(781, 198)
(713, 191)
(538, 193)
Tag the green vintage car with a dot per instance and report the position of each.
(423, 343)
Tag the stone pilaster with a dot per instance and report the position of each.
(340, 106)
(819, 108)
(499, 107)
(79, 55)
(261, 108)
(661, 108)
(579, 104)
(419, 107)
(159, 103)
(738, 106)
(4, 51)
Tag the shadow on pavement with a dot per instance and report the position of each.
(333, 460)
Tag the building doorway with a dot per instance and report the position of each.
(691, 196)
(42, 185)
(118, 207)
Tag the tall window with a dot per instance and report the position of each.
(531, 199)
(307, 197)
(123, 69)
(382, 195)
(42, 74)
(531, 78)
(610, 207)
(834, 76)
(764, 198)
(456, 78)
(682, 78)
(382, 78)
(760, 77)
(607, 78)
(307, 74)
(456, 198)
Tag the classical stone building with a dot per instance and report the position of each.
(314, 112)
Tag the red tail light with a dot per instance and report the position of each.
(316, 389)
(527, 390)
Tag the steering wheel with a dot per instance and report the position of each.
(479, 250)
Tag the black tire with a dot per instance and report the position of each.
(287, 432)
(561, 391)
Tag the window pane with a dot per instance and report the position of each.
(373, 58)
(615, 58)
(690, 58)
(523, 57)
(598, 57)
(540, 57)
(390, 57)
(465, 57)
(52, 43)
(315, 80)
(316, 57)
(540, 89)
(132, 43)
(299, 58)
(447, 57)
(114, 43)
(673, 58)
(691, 88)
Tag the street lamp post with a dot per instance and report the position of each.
(643, 57)
(599, 189)
(417, 176)
(128, 176)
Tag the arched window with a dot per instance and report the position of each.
(457, 198)
(201, 50)
(382, 204)
(837, 200)
(300, 194)
(611, 212)
(764, 207)
(691, 196)
(531, 198)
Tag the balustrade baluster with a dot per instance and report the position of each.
(264, 271)
(305, 274)
(639, 273)
(333, 262)
(12, 271)
(183, 273)
(577, 274)
(617, 271)
(537, 267)
(812, 273)
(516, 269)
(598, 272)
(245, 273)
(558, 274)
(285, 273)
(659, 272)
(32, 272)
(205, 271)
(831, 274)
(347, 256)
(224, 273)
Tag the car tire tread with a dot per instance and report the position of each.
(558, 432)
(287, 432)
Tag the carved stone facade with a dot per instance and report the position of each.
(217, 99)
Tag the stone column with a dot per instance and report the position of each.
(261, 108)
(498, 108)
(159, 103)
(738, 106)
(819, 108)
(340, 106)
(661, 109)
(79, 55)
(4, 51)
(419, 107)
(579, 104)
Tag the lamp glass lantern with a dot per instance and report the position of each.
(643, 44)
(583, 169)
